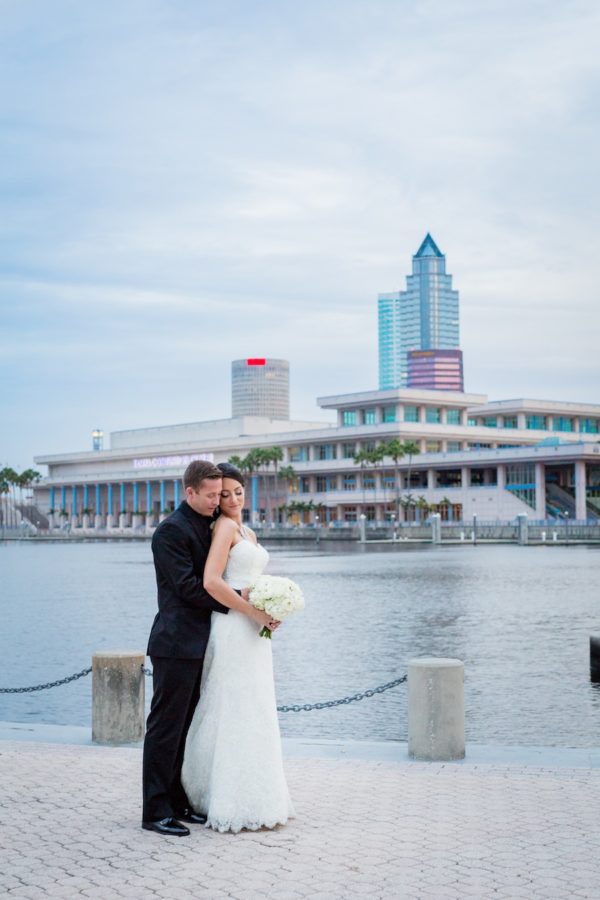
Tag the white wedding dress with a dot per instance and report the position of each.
(233, 767)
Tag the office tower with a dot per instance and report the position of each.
(260, 387)
(437, 370)
(423, 317)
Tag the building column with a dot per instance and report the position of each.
(163, 496)
(122, 501)
(521, 421)
(110, 518)
(465, 481)
(254, 499)
(98, 504)
(430, 479)
(176, 492)
(501, 476)
(422, 414)
(148, 497)
(136, 496)
(540, 490)
(52, 497)
(86, 497)
(580, 490)
(73, 501)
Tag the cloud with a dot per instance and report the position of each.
(186, 183)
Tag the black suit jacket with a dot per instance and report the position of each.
(180, 547)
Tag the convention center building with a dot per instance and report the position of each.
(466, 456)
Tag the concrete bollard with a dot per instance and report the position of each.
(595, 657)
(436, 528)
(522, 527)
(117, 697)
(436, 709)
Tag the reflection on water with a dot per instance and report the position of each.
(519, 617)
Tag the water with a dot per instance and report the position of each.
(519, 617)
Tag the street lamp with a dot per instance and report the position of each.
(393, 526)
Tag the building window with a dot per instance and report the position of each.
(448, 478)
(536, 423)
(563, 423)
(349, 482)
(368, 417)
(510, 422)
(350, 514)
(370, 513)
(490, 422)
(411, 413)
(520, 480)
(304, 484)
(332, 483)
(389, 414)
(453, 446)
(348, 450)
(369, 481)
(478, 445)
(589, 426)
(325, 451)
(349, 417)
(389, 482)
(321, 484)
(298, 454)
(471, 421)
(433, 414)
(433, 446)
(453, 416)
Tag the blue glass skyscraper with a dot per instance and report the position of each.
(423, 317)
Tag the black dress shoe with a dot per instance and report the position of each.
(188, 815)
(169, 826)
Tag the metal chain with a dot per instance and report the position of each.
(328, 704)
(306, 707)
(49, 684)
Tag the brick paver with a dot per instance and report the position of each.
(71, 828)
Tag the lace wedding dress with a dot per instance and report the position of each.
(233, 768)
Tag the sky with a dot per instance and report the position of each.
(188, 182)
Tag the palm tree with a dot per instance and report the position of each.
(411, 448)
(422, 506)
(288, 475)
(395, 449)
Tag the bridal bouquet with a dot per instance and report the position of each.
(278, 597)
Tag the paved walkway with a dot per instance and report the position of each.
(365, 828)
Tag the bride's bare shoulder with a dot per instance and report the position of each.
(223, 525)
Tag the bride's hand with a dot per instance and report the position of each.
(262, 619)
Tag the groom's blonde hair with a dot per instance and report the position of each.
(197, 471)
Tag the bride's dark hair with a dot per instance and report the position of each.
(230, 471)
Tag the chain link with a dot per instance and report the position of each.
(328, 704)
(305, 707)
(49, 684)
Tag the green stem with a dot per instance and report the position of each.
(266, 633)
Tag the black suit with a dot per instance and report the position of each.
(176, 646)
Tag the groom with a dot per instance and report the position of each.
(177, 644)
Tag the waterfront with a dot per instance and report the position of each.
(519, 617)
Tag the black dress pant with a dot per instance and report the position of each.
(176, 685)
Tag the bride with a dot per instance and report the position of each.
(233, 768)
